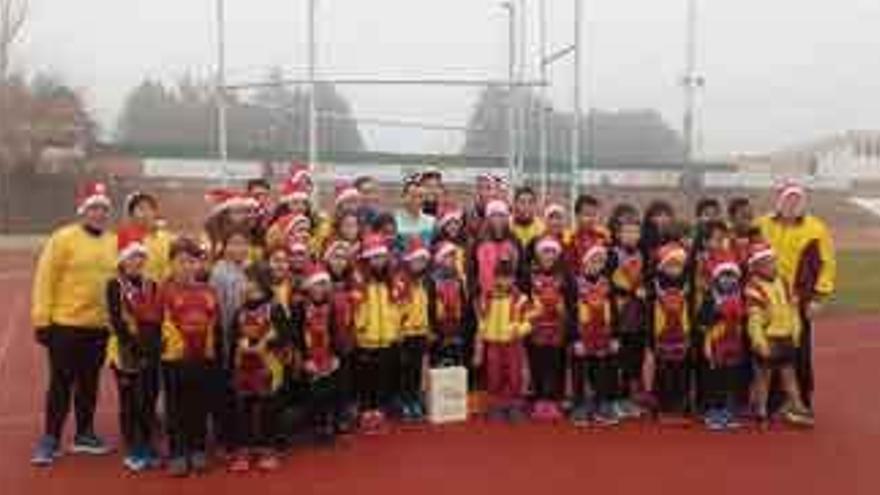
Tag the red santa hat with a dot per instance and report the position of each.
(292, 222)
(415, 248)
(374, 245)
(338, 246)
(596, 249)
(444, 249)
(130, 242)
(92, 194)
(497, 207)
(316, 273)
(294, 189)
(788, 189)
(760, 251)
(548, 243)
(553, 209)
(297, 247)
(299, 172)
(224, 199)
(671, 252)
(448, 213)
(345, 191)
(724, 263)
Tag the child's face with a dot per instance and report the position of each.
(299, 260)
(765, 268)
(337, 263)
(555, 223)
(279, 265)
(524, 206)
(662, 221)
(630, 234)
(378, 262)
(299, 207)
(485, 190)
(145, 213)
(262, 194)
(417, 265)
(133, 265)
(498, 223)
(186, 267)
(588, 216)
(97, 217)
(389, 230)
(349, 228)
(237, 249)
(742, 219)
(673, 269)
(717, 241)
(727, 283)
(252, 291)
(412, 197)
(710, 213)
(547, 258)
(447, 261)
(595, 264)
(369, 193)
(452, 228)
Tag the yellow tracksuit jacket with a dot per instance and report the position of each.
(71, 276)
(805, 253)
(377, 317)
(528, 232)
(772, 312)
(505, 319)
(158, 244)
(414, 312)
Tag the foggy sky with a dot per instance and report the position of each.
(778, 71)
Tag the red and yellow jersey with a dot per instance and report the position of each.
(549, 312)
(772, 312)
(258, 368)
(594, 325)
(377, 316)
(805, 254)
(414, 311)
(504, 318)
(189, 326)
(672, 324)
(317, 338)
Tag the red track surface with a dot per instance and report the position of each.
(839, 456)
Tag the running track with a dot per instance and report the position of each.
(838, 457)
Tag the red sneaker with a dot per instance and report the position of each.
(268, 462)
(240, 463)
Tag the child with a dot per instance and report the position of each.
(551, 289)
(314, 320)
(143, 211)
(670, 329)
(589, 229)
(447, 306)
(721, 317)
(595, 345)
(503, 323)
(744, 233)
(775, 333)
(190, 347)
(345, 282)
(346, 228)
(450, 229)
(496, 243)
(135, 347)
(414, 329)
(526, 225)
(410, 220)
(257, 372)
(377, 324)
(628, 294)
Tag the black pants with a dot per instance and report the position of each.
(375, 377)
(447, 353)
(256, 421)
(187, 405)
(547, 365)
(323, 403)
(222, 406)
(804, 360)
(672, 385)
(138, 392)
(412, 357)
(699, 379)
(76, 356)
(346, 396)
(631, 358)
(600, 373)
(722, 387)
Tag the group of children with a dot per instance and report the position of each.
(279, 307)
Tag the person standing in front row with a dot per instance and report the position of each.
(190, 329)
(70, 318)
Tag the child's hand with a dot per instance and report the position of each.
(707, 350)
(614, 346)
(763, 351)
(478, 354)
(579, 349)
(814, 308)
(310, 367)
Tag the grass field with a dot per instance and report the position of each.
(858, 282)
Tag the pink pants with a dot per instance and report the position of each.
(504, 372)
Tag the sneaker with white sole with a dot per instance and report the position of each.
(46, 452)
(89, 444)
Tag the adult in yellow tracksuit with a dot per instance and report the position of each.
(806, 261)
(70, 316)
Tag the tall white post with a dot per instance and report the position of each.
(542, 103)
(220, 92)
(511, 75)
(690, 82)
(313, 105)
(576, 121)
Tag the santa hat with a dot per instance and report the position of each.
(548, 243)
(337, 246)
(138, 197)
(596, 249)
(448, 213)
(497, 207)
(553, 209)
(345, 191)
(294, 189)
(671, 252)
(725, 263)
(444, 249)
(291, 222)
(297, 247)
(760, 251)
(315, 274)
(415, 248)
(788, 189)
(92, 194)
(431, 171)
(374, 245)
(486, 177)
(130, 242)
(299, 172)
(224, 199)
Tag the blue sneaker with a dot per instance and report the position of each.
(607, 415)
(45, 452)
(715, 420)
(418, 410)
(730, 419)
(89, 444)
(135, 463)
(152, 458)
(580, 415)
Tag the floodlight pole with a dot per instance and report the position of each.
(313, 104)
(542, 103)
(220, 92)
(511, 76)
(576, 121)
